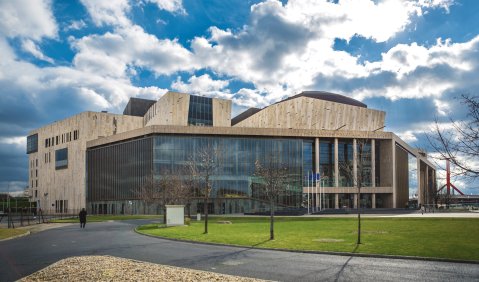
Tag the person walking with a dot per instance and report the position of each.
(82, 217)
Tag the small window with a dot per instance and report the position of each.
(36, 172)
(36, 183)
(57, 140)
(61, 158)
(36, 193)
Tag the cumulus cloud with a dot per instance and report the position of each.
(203, 83)
(29, 19)
(108, 12)
(75, 25)
(172, 6)
(110, 54)
(30, 47)
(287, 48)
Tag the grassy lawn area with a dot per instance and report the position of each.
(10, 232)
(454, 238)
(100, 218)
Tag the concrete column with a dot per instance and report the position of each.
(336, 201)
(355, 163)
(336, 164)
(426, 186)
(418, 177)
(393, 153)
(373, 200)
(373, 163)
(355, 205)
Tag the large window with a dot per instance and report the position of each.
(200, 111)
(61, 158)
(114, 172)
(345, 161)
(308, 163)
(364, 161)
(326, 163)
(32, 143)
(412, 177)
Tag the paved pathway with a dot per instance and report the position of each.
(23, 256)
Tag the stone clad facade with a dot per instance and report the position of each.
(108, 156)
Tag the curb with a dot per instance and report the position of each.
(318, 252)
(16, 236)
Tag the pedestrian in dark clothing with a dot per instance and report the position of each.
(82, 216)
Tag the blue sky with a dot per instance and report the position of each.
(57, 58)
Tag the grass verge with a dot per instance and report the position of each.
(450, 238)
(10, 232)
(100, 218)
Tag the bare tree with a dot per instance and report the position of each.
(188, 188)
(148, 193)
(460, 144)
(273, 177)
(354, 171)
(202, 166)
(167, 188)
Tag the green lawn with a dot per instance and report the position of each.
(10, 232)
(454, 238)
(100, 218)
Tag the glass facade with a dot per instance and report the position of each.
(32, 143)
(345, 160)
(365, 158)
(61, 158)
(118, 171)
(200, 111)
(308, 162)
(115, 171)
(412, 177)
(326, 162)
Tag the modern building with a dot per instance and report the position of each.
(101, 160)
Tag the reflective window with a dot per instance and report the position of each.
(32, 143)
(200, 111)
(61, 158)
(345, 161)
(412, 169)
(326, 162)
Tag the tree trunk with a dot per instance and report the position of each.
(205, 209)
(271, 221)
(164, 215)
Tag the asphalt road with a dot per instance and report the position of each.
(23, 256)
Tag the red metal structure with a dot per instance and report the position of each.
(448, 181)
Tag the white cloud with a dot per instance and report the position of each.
(286, 48)
(203, 83)
(108, 12)
(112, 53)
(15, 188)
(30, 47)
(75, 25)
(29, 19)
(172, 6)
(15, 140)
